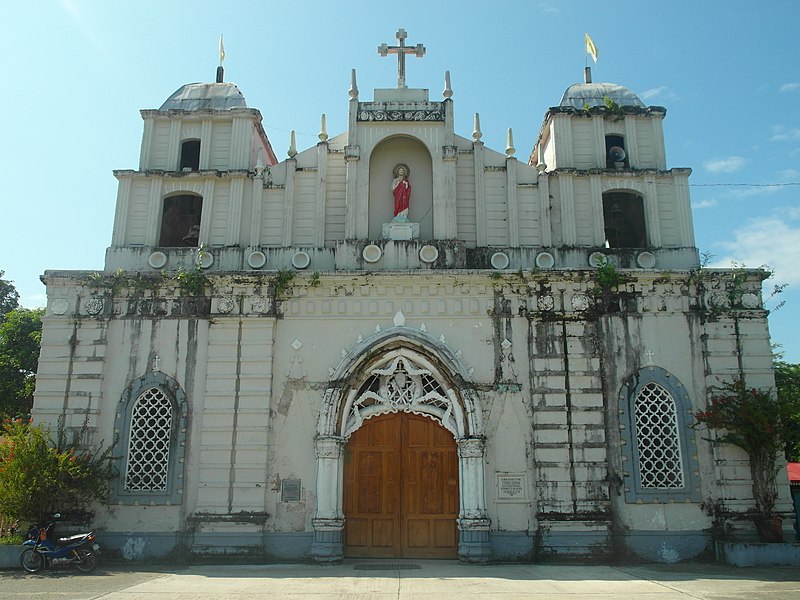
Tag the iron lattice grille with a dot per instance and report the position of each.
(657, 439)
(148, 448)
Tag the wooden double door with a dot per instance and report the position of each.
(401, 489)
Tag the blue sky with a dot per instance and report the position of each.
(76, 73)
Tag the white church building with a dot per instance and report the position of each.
(401, 343)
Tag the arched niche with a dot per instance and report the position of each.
(388, 153)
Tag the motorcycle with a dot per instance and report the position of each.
(44, 550)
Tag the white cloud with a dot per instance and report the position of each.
(781, 134)
(729, 164)
(705, 204)
(662, 92)
(773, 241)
(789, 174)
(790, 87)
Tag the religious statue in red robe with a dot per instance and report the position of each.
(401, 188)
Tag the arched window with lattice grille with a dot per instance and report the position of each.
(659, 451)
(151, 432)
(148, 442)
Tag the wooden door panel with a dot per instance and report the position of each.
(401, 489)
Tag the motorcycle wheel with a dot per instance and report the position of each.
(86, 560)
(31, 561)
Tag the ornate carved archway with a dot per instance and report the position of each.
(394, 374)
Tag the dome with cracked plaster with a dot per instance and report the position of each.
(205, 96)
(581, 95)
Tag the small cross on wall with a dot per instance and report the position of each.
(650, 354)
(401, 51)
(156, 362)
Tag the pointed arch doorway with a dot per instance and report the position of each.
(405, 375)
(401, 489)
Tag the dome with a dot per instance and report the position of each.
(205, 96)
(581, 95)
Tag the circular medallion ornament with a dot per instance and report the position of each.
(59, 306)
(719, 300)
(500, 261)
(646, 260)
(546, 303)
(301, 260)
(157, 259)
(545, 260)
(205, 259)
(257, 259)
(372, 253)
(225, 305)
(94, 306)
(597, 259)
(580, 302)
(428, 254)
(259, 305)
(751, 300)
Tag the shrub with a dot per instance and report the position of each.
(40, 475)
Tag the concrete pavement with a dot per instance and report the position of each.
(406, 580)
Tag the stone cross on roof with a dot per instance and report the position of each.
(401, 52)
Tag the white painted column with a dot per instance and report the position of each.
(569, 235)
(473, 521)
(208, 211)
(599, 128)
(174, 147)
(651, 217)
(256, 210)
(598, 222)
(154, 214)
(288, 202)
(562, 142)
(147, 144)
(235, 212)
(322, 176)
(480, 193)
(328, 521)
(683, 206)
(121, 214)
(545, 221)
(205, 144)
(631, 142)
(513, 204)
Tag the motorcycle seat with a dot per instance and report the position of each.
(65, 541)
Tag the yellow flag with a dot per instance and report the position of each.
(222, 50)
(590, 47)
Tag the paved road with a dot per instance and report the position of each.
(442, 580)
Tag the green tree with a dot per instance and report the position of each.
(787, 380)
(40, 475)
(9, 298)
(20, 342)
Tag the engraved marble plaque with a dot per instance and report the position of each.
(290, 490)
(511, 487)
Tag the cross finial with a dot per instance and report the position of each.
(401, 50)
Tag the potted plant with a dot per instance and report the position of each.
(756, 421)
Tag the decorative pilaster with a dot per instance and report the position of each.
(473, 521)
(329, 520)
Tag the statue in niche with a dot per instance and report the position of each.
(401, 189)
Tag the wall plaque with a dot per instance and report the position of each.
(511, 487)
(290, 490)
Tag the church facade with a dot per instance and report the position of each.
(402, 343)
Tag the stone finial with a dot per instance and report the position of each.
(353, 86)
(477, 134)
(323, 128)
(541, 166)
(448, 90)
(292, 145)
(510, 150)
